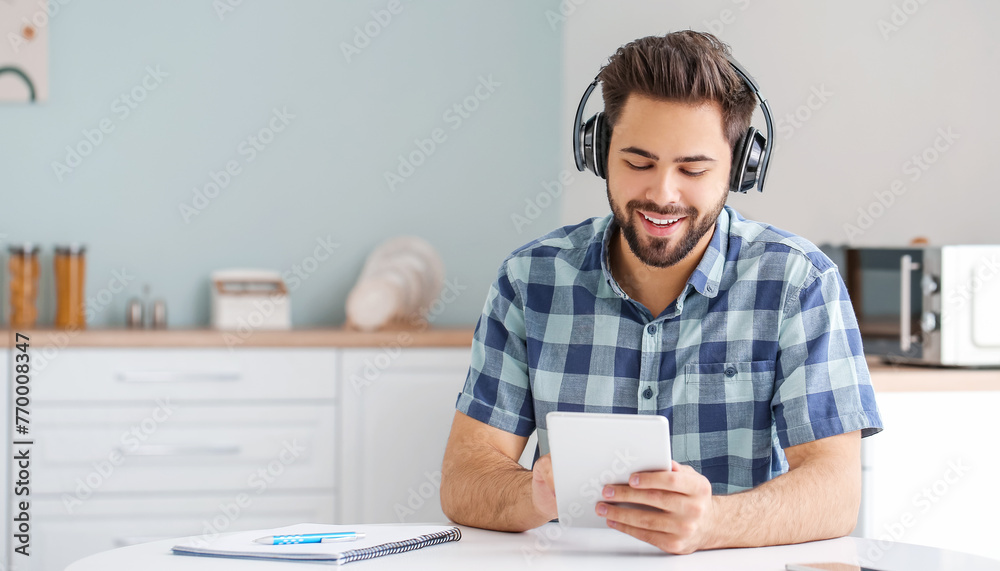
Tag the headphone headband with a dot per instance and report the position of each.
(749, 80)
(753, 151)
(577, 131)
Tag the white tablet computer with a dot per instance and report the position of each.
(590, 450)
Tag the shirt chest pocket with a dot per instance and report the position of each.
(722, 414)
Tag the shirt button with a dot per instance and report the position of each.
(647, 394)
(730, 371)
(651, 329)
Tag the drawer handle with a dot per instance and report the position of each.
(181, 450)
(176, 376)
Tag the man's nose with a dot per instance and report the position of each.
(666, 187)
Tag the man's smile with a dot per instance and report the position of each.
(659, 225)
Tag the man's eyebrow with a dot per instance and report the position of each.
(640, 152)
(694, 159)
(649, 155)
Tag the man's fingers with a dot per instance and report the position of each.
(543, 487)
(542, 470)
(544, 463)
(664, 541)
(664, 500)
(646, 519)
(654, 521)
(684, 480)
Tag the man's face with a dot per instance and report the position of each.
(667, 161)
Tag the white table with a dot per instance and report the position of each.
(553, 547)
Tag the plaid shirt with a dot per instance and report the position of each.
(759, 352)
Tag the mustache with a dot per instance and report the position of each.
(654, 208)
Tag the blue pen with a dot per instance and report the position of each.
(310, 538)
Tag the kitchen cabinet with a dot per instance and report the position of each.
(134, 444)
(141, 435)
(396, 414)
(933, 474)
(113, 521)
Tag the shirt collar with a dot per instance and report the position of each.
(707, 275)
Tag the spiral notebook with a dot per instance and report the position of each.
(379, 540)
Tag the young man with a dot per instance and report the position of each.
(739, 333)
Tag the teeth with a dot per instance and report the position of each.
(661, 222)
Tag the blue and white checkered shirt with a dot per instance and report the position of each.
(759, 352)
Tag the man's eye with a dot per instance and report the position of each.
(638, 167)
(692, 173)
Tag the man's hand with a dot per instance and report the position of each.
(687, 520)
(543, 488)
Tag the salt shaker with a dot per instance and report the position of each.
(133, 314)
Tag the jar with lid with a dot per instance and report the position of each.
(70, 272)
(23, 271)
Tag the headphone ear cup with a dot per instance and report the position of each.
(602, 142)
(736, 171)
(746, 161)
(595, 138)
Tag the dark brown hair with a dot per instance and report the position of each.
(685, 66)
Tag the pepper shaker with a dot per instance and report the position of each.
(159, 314)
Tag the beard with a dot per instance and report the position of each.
(660, 252)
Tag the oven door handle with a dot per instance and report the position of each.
(906, 267)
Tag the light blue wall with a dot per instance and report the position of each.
(321, 176)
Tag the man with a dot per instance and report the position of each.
(741, 334)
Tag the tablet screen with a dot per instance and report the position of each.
(590, 450)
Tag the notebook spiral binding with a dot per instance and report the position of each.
(453, 534)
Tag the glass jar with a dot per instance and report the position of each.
(70, 271)
(23, 270)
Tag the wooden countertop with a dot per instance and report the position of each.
(332, 337)
(910, 378)
(885, 377)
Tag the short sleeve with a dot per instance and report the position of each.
(822, 385)
(497, 390)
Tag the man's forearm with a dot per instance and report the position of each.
(814, 501)
(487, 489)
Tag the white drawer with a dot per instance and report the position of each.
(363, 367)
(391, 474)
(59, 539)
(189, 374)
(182, 446)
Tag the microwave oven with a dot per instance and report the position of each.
(933, 305)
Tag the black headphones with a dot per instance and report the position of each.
(750, 156)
